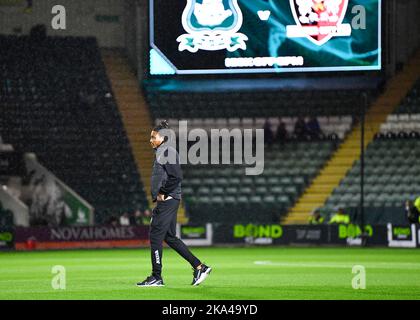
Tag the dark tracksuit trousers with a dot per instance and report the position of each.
(163, 228)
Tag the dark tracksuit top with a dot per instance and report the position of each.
(166, 177)
(166, 180)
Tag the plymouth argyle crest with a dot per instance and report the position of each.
(212, 25)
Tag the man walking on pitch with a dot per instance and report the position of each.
(166, 192)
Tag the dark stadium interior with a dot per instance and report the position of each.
(84, 104)
(270, 149)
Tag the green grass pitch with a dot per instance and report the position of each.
(239, 273)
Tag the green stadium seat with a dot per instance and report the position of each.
(232, 190)
(243, 200)
(246, 191)
(204, 191)
(217, 191)
(223, 182)
(284, 201)
(234, 181)
(285, 181)
(262, 190)
(277, 190)
(229, 200)
(270, 199)
(255, 199)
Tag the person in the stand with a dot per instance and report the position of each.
(124, 219)
(300, 128)
(314, 129)
(134, 217)
(281, 134)
(340, 217)
(268, 133)
(316, 217)
(412, 209)
(113, 221)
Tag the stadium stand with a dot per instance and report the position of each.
(56, 101)
(349, 151)
(252, 104)
(330, 125)
(221, 193)
(392, 167)
(225, 194)
(243, 109)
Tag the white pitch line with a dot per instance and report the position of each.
(374, 265)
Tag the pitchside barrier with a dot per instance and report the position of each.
(375, 235)
(73, 237)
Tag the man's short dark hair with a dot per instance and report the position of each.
(162, 125)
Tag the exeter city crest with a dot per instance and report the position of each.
(212, 25)
(319, 20)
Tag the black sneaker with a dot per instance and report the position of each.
(200, 275)
(151, 281)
